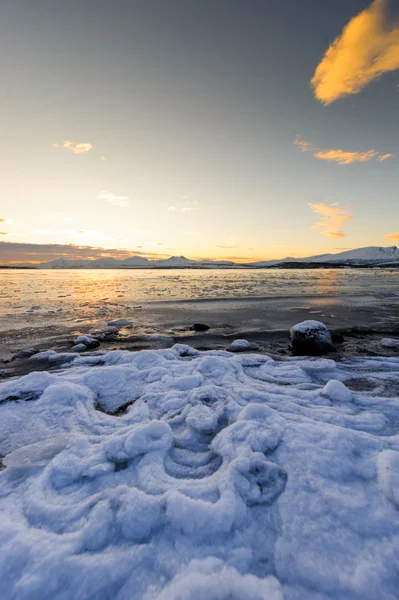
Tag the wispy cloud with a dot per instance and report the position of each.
(121, 201)
(227, 247)
(365, 50)
(3, 232)
(75, 147)
(392, 236)
(186, 207)
(332, 216)
(304, 146)
(342, 157)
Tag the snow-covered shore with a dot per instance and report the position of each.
(179, 474)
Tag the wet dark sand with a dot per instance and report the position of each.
(363, 321)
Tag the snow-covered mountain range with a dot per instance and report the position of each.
(361, 257)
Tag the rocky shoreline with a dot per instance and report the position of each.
(346, 342)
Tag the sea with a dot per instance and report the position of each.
(34, 302)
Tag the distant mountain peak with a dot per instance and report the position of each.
(368, 257)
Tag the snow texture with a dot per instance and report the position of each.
(184, 475)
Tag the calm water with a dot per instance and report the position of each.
(37, 298)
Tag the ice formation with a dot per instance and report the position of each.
(182, 475)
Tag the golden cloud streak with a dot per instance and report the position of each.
(365, 50)
(392, 236)
(342, 157)
(75, 148)
(332, 216)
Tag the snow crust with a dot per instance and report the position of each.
(310, 326)
(177, 474)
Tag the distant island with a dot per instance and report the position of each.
(369, 257)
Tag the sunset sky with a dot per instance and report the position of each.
(232, 129)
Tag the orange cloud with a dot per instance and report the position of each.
(332, 216)
(342, 157)
(76, 148)
(365, 50)
(392, 236)
(304, 146)
(3, 232)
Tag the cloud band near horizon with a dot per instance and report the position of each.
(24, 252)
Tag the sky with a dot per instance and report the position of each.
(242, 130)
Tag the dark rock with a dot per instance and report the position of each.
(311, 338)
(199, 327)
(24, 353)
(337, 338)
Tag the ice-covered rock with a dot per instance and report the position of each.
(390, 343)
(79, 348)
(242, 346)
(121, 323)
(109, 330)
(23, 353)
(87, 340)
(311, 338)
(43, 355)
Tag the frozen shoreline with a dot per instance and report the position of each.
(266, 319)
(171, 474)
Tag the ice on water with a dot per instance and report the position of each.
(178, 474)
